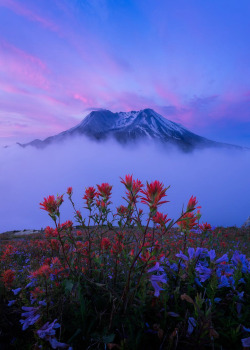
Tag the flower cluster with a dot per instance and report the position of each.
(133, 279)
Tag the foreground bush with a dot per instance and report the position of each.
(127, 280)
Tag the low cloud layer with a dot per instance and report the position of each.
(219, 179)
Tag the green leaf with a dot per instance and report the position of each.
(68, 286)
(108, 338)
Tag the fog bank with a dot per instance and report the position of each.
(218, 178)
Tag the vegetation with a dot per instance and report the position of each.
(125, 280)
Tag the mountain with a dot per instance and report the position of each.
(127, 127)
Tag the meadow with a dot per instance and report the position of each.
(129, 279)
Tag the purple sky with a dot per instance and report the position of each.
(188, 60)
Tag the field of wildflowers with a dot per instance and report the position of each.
(132, 279)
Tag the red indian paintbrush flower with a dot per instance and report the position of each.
(90, 194)
(8, 278)
(205, 227)
(105, 243)
(133, 187)
(188, 221)
(104, 190)
(127, 182)
(191, 204)
(69, 191)
(52, 204)
(43, 271)
(160, 219)
(153, 194)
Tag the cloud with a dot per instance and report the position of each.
(22, 10)
(219, 179)
(22, 67)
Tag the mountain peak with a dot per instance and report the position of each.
(126, 127)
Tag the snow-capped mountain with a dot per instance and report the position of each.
(127, 127)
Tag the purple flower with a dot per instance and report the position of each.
(240, 295)
(16, 291)
(11, 302)
(241, 259)
(182, 256)
(193, 253)
(47, 332)
(223, 282)
(55, 344)
(222, 259)
(154, 279)
(156, 268)
(191, 325)
(197, 282)
(211, 254)
(241, 281)
(173, 314)
(204, 272)
(31, 315)
(245, 342)
(48, 329)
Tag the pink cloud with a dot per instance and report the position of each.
(5, 87)
(21, 10)
(81, 98)
(19, 66)
(166, 94)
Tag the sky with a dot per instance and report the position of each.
(218, 178)
(187, 60)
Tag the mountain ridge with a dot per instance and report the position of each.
(133, 126)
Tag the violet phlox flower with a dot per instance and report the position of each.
(155, 279)
(157, 268)
(48, 329)
(31, 316)
(245, 342)
(212, 255)
(191, 325)
(192, 253)
(16, 291)
(47, 332)
(223, 282)
(238, 259)
(203, 272)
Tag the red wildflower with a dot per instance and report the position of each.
(89, 196)
(51, 205)
(205, 227)
(78, 215)
(104, 190)
(54, 244)
(43, 271)
(66, 225)
(121, 210)
(117, 247)
(128, 182)
(69, 191)
(102, 204)
(133, 187)
(188, 221)
(160, 219)
(191, 204)
(153, 194)
(105, 243)
(8, 277)
(55, 261)
(37, 292)
(50, 232)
